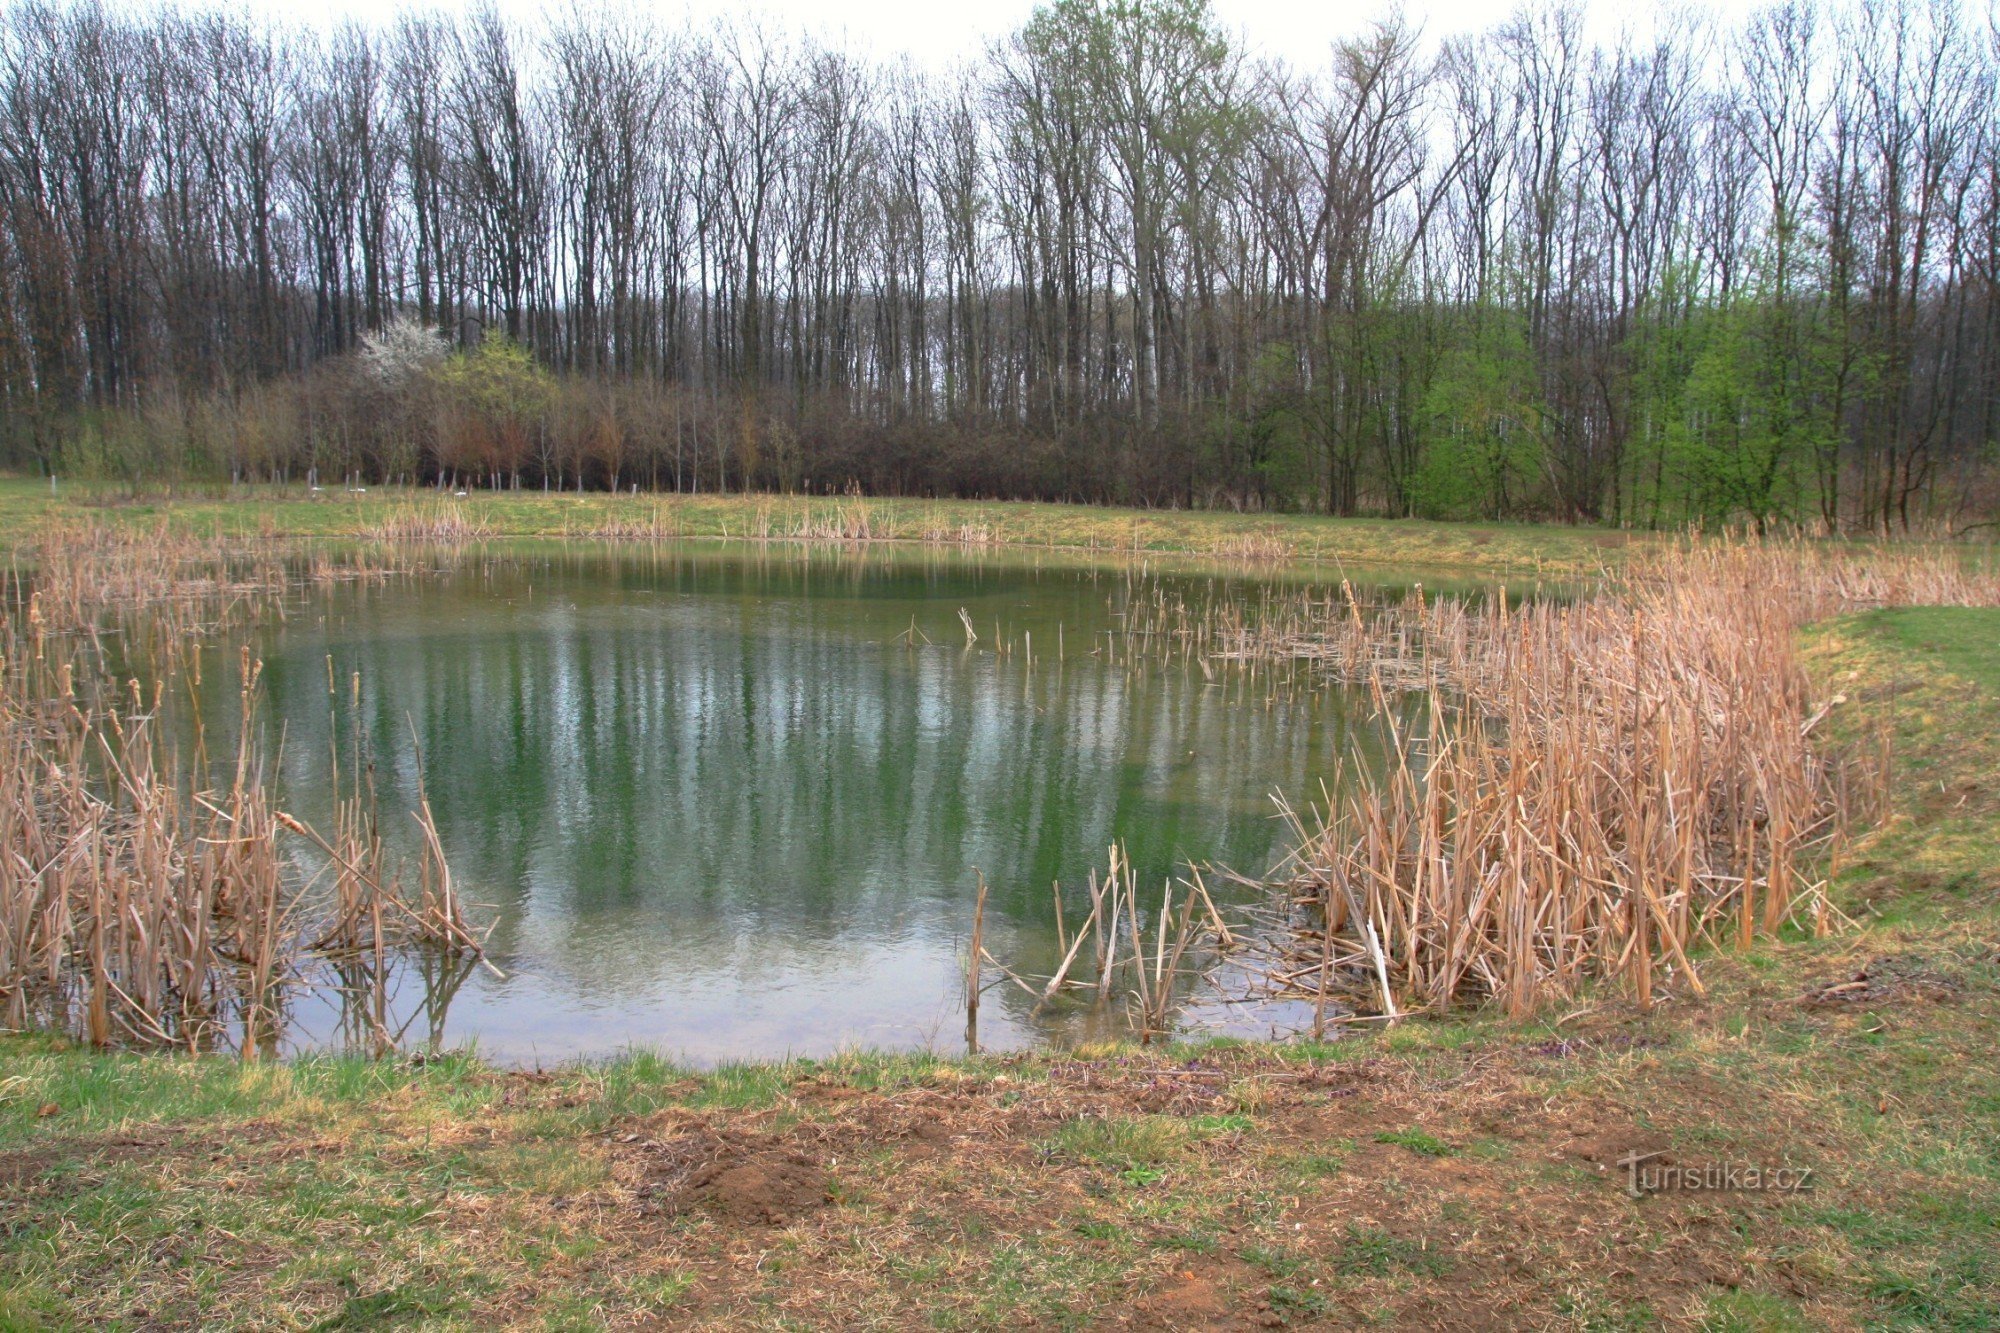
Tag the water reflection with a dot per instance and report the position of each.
(732, 804)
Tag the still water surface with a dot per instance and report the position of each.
(723, 803)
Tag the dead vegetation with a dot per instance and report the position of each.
(439, 522)
(1591, 790)
(1125, 953)
(1537, 797)
(153, 895)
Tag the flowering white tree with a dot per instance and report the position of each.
(402, 354)
(401, 363)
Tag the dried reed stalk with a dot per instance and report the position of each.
(1162, 950)
(1588, 790)
(136, 906)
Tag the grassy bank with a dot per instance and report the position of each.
(1430, 1174)
(1547, 549)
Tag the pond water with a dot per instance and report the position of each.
(731, 802)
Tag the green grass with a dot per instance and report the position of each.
(1931, 677)
(1417, 1141)
(1300, 1301)
(1321, 1165)
(1123, 1143)
(1373, 1252)
(1964, 641)
(291, 512)
(1752, 1312)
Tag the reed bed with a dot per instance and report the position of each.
(159, 581)
(835, 522)
(656, 522)
(148, 897)
(1592, 791)
(847, 520)
(440, 523)
(187, 584)
(1256, 548)
(937, 530)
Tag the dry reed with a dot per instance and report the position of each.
(1592, 790)
(139, 905)
(1256, 547)
(442, 523)
(1141, 956)
(656, 522)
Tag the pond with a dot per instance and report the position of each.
(733, 802)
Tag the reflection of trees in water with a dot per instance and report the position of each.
(654, 765)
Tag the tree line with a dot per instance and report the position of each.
(1745, 273)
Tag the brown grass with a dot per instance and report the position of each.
(644, 522)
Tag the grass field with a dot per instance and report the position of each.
(1548, 549)
(1434, 1174)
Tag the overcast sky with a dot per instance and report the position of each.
(938, 32)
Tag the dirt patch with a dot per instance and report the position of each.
(914, 1137)
(22, 1168)
(764, 1191)
(1191, 1302)
(1205, 1295)
(26, 1169)
(1607, 1151)
(744, 1179)
(1462, 1312)
(1604, 1140)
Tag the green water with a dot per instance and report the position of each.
(724, 803)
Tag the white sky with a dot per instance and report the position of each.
(937, 33)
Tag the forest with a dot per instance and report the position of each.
(1747, 274)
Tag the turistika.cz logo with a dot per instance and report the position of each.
(1710, 1177)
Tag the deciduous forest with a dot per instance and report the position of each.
(1748, 274)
